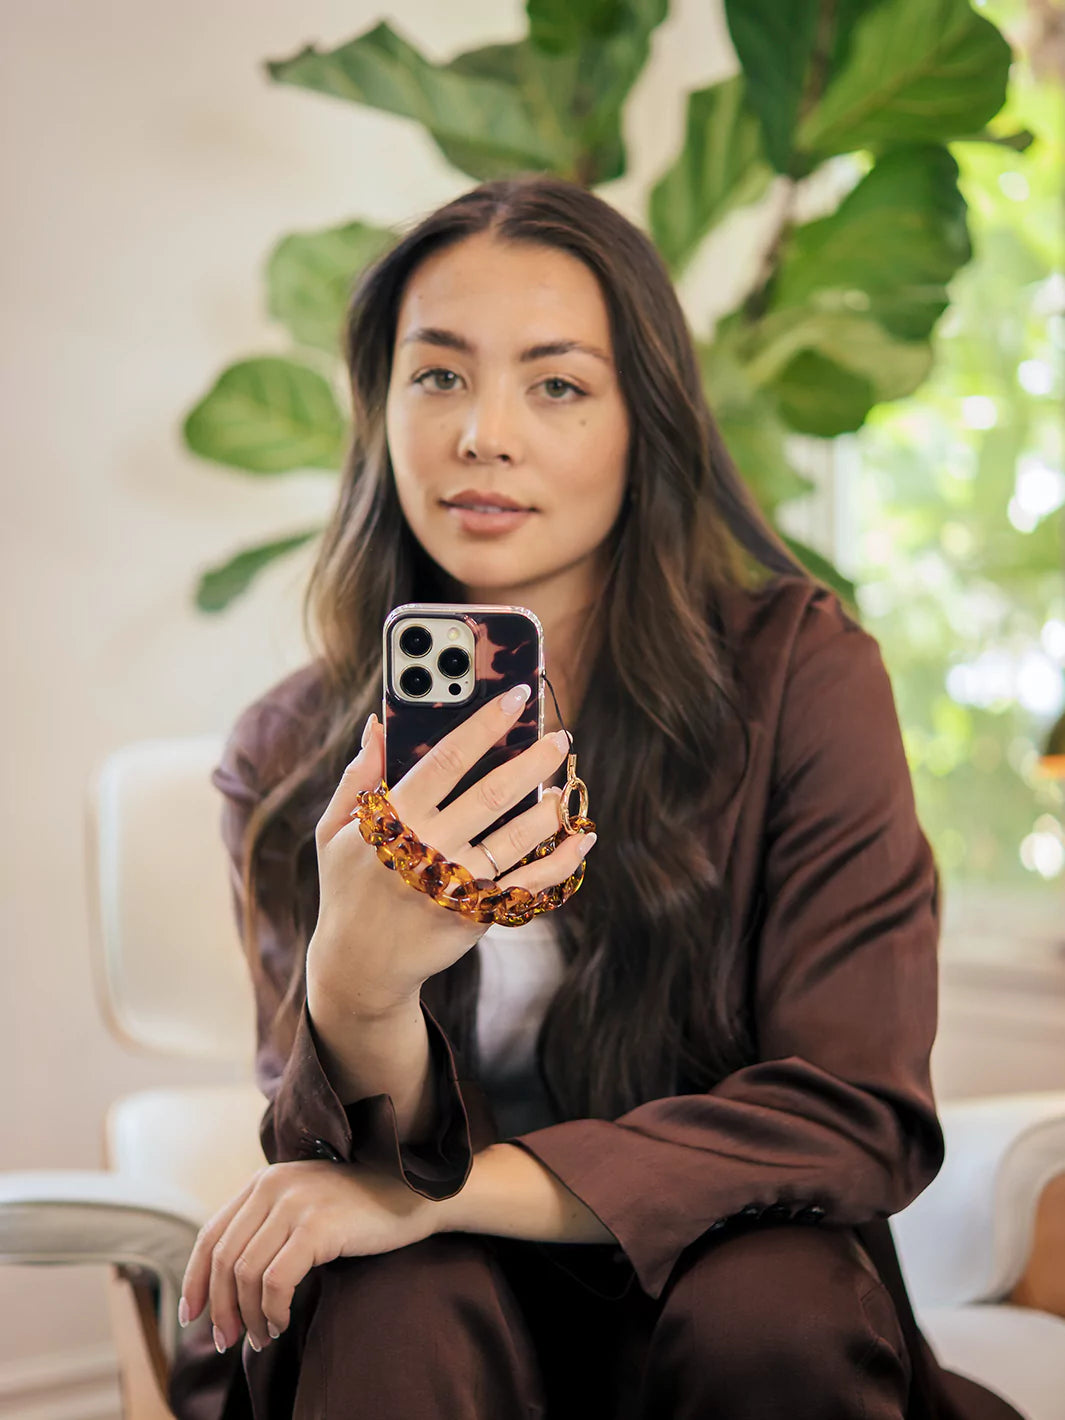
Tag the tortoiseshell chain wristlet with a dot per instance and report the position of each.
(451, 884)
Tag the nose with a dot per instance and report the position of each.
(489, 433)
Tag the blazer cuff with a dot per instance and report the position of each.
(598, 1161)
(583, 1154)
(436, 1167)
(307, 1119)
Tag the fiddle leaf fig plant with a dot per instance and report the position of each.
(840, 316)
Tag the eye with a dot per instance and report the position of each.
(556, 389)
(441, 380)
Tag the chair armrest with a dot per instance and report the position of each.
(81, 1216)
(967, 1237)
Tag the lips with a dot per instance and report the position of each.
(479, 500)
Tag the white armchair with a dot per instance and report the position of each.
(172, 979)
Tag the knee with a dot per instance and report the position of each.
(429, 1329)
(407, 1285)
(783, 1302)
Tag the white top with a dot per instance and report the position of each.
(521, 968)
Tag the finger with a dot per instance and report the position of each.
(499, 790)
(555, 868)
(225, 1313)
(196, 1282)
(509, 844)
(248, 1273)
(436, 773)
(365, 771)
(290, 1264)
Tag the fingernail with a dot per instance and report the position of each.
(272, 1329)
(560, 739)
(183, 1312)
(219, 1340)
(251, 1343)
(587, 839)
(515, 698)
(367, 728)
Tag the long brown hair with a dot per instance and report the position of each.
(646, 1006)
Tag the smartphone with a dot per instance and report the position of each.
(442, 662)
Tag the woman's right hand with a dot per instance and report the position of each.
(376, 939)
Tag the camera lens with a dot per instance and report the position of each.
(415, 641)
(415, 680)
(453, 662)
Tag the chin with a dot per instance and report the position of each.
(486, 568)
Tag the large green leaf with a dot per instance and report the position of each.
(753, 434)
(852, 340)
(608, 38)
(310, 275)
(721, 166)
(558, 25)
(788, 52)
(545, 83)
(890, 248)
(268, 415)
(573, 73)
(918, 71)
(816, 395)
(221, 585)
(383, 70)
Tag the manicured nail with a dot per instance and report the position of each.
(272, 1329)
(367, 728)
(559, 738)
(587, 839)
(219, 1340)
(183, 1312)
(515, 698)
(251, 1343)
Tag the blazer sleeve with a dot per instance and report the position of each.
(835, 1121)
(304, 1117)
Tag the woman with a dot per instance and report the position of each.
(636, 1157)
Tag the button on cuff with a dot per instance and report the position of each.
(813, 1214)
(321, 1149)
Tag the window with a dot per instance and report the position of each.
(946, 510)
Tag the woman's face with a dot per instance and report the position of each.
(503, 386)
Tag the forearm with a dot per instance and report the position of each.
(381, 1054)
(511, 1194)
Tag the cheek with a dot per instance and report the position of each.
(594, 453)
(411, 442)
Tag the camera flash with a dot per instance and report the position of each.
(453, 633)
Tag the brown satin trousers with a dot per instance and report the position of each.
(776, 1320)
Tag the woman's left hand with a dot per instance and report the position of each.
(250, 1257)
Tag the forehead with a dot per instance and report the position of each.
(484, 285)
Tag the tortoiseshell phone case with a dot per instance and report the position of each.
(508, 650)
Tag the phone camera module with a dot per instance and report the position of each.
(416, 641)
(453, 662)
(416, 681)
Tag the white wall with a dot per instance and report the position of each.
(148, 167)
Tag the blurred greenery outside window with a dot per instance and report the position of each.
(945, 509)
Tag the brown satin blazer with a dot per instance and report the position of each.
(834, 886)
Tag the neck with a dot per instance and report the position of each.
(567, 606)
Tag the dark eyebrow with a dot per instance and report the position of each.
(450, 340)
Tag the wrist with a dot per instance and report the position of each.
(460, 1212)
(509, 1193)
(362, 1006)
